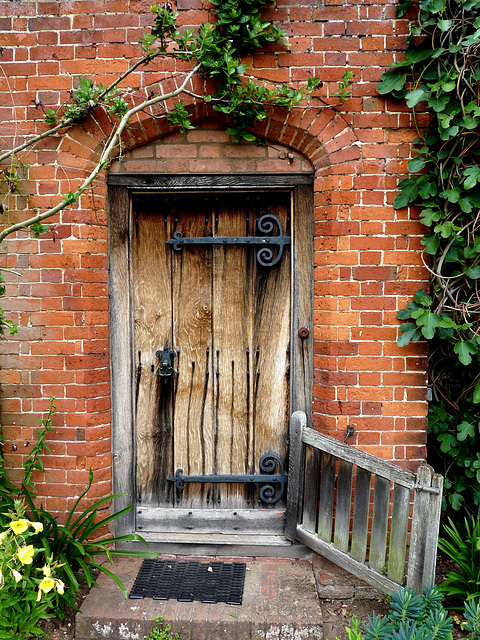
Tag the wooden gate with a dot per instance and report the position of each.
(211, 284)
(354, 509)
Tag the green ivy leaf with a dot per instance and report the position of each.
(472, 176)
(422, 298)
(476, 393)
(465, 430)
(410, 333)
(414, 97)
(409, 191)
(429, 216)
(473, 272)
(431, 244)
(416, 164)
(391, 81)
(448, 441)
(438, 103)
(464, 351)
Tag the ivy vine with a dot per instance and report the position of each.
(441, 74)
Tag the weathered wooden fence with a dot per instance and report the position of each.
(354, 509)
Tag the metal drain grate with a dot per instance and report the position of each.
(210, 582)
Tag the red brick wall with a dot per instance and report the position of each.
(367, 255)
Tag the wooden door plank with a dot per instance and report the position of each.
(302, 301)
(193, 437)
(152, 315)
(363, 481)
(378, 543)
(398, 533)
(271, 339)
(232, 331)
(341, 534)
(325, 506)
(121, 355)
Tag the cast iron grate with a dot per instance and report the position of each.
(210, 582)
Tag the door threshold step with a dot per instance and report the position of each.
(279, 601)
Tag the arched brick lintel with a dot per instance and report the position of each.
(321, 134)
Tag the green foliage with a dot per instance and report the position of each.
(344, 86)
(463, 547)
(28, 576)
(162, 631)
(67, 550)
(411, 617)
(441, 74)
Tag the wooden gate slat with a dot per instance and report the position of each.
(295, 472)
(325, 505)
(425, 519)
(378, 544)
(370, 564)
(363, 481)
(343, 505)
(398, 533)
(311, 488)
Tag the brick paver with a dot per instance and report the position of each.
(280, 603)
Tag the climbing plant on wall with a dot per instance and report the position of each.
(441, 75)
(216, 51)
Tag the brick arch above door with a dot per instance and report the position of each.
(209, 149)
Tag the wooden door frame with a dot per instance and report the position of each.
(120, 189)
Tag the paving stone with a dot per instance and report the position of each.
(280, 603)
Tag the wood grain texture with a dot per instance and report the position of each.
(152, 315)
(341, 536)
(228, 319)
(326, 500)
(295, 474)
(121, 355)
(398, 533)
(378, 542)
(363, 481)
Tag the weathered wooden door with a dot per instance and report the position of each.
(218, 311)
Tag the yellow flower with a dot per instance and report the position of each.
(46, 570)
(59, 585)
(25, 554)
(38, 526)
(45, 585)
(3, 535)
(17, 575)
(19, 526)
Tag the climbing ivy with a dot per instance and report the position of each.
(215, 50)
(440, 75)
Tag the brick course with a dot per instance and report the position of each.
(367, 255)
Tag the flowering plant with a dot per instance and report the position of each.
(26, 591)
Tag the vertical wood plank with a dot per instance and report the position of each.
(398, 533)
(378, 543)
(325, 506)
(193, 439)
(311, 488)
(302, 301)
(152, 316)
(231, 327)
(295, 476)
(343, 505)
(435, 512)
(419, 574)
(271, 338)
(120, 350)
(363, 480)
